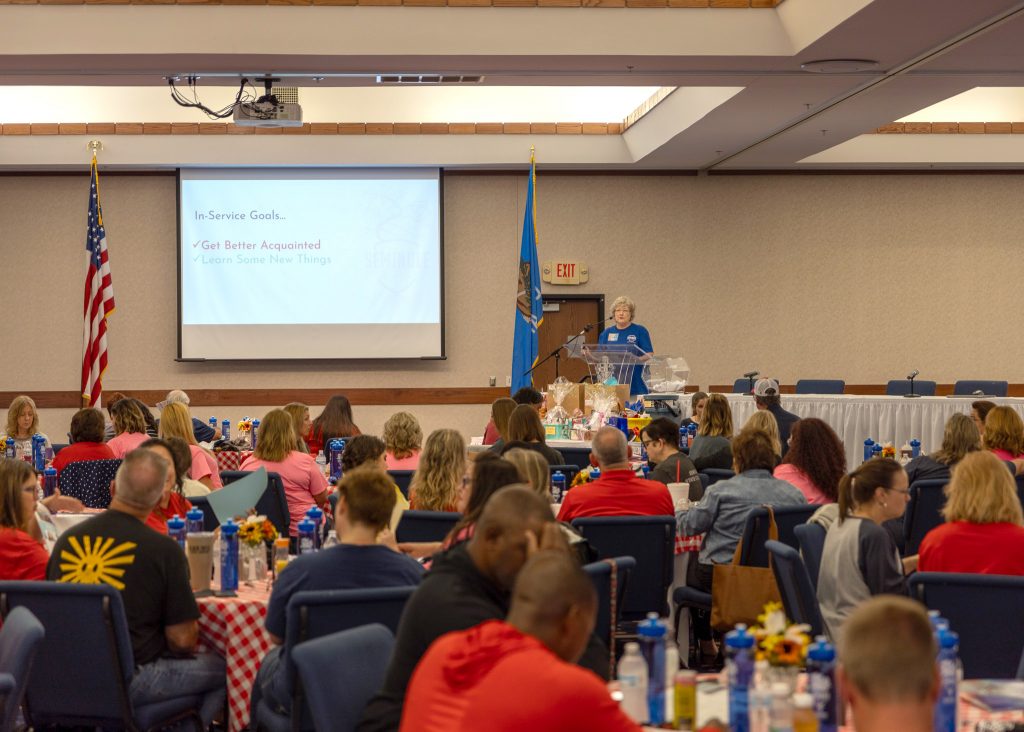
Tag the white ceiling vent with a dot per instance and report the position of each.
(427, 79)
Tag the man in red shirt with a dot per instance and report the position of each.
(519, 674)
(618, 492)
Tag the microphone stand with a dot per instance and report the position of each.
(557, 353)
(912, 395)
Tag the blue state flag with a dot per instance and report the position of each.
(529, 310)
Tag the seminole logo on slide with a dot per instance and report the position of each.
(95, 561)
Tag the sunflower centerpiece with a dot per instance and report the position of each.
(783, 645)
(256, 536)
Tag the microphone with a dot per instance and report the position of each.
(912, 374)
(751, 374)
(610, 317)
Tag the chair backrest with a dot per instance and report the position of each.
(755, 531)
(967, 387)
(578, 456)
(273, 503)
(741, 386)
(84, 664)
(705, 481)
(717, 474)
(1020, 669)
(924, 512)
(426, 525)
(402, 479)
(901, 387)
(600, 574)
(58, 446)
(569, 471)
(987, 611)
(19, 641)
(820, 386)
(811, 538)
(650, 540)
(341, 672)
(798, 594)
(89, 481)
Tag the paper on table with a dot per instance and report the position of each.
(235, 499)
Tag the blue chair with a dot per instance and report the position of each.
(402, 479)
(705, 482)
(273, 503)
(755, 531)
(742, 386)
(578, 456)
(924, 512)
(798, 594)
(89, 481)
(987, 388)
(426, 525)
(1020, 669)
(20, 638)
(811, 538)
(600, 574)
(569, 471)
(717, 474)
(338, 692)
(988, 613)
(316, 614)
(901, 387)
(57, 447)
(650, 540)
(820, 386)
(84, 666)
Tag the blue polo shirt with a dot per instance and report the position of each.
(631, 335)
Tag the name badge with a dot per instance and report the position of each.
(613, 337)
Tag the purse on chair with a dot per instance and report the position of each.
(738, 592)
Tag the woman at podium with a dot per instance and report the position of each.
(625, 332)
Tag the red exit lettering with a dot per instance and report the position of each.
(565, 269)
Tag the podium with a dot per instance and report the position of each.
(612, 360)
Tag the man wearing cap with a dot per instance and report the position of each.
(766, 396)
(202, 431)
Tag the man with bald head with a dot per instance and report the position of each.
(464, 680)
(618, 492)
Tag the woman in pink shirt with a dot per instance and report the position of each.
(304, 483)
(815, 461)
(403, 440)
(129, 427)
(175, 421)
(1004, 433)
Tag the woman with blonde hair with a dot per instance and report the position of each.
(959, 438)
(22, 423)
(526, 431)
(984, 529)
(21, 556)
(1004, 433)
(175, 421)
(533, 469)
(712, 447)
(496, 432)
(403, 440)
(303, 425)
(764, 421)
(304, 484)
(441, 472)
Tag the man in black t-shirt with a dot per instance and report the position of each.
(149, 569)
(660, 439)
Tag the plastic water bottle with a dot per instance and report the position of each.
(915, 447)
(671, 668)
(225, 429)
(38, 454)
(321, 462)
(252, 434)
(632, 673)
(782, 708)
(196, 520)
(10, 451)
(213, 423)
(684, 438)
(691, 434)
(316, 515)
(946, 705)
(804, 719)
(331, 540)
(229, 556)
(557, 487)
(176, 530)
(652, 633)
(594, 473)
(821, 682)
(307, 536)
(876, 451)
(869, 446)
(646, 469)
(739, 668)
(49, 482)
(336, 448)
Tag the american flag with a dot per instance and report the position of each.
(99, 298)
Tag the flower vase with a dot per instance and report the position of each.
(787, 675)
(253, 562)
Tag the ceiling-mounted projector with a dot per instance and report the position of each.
(267, 111)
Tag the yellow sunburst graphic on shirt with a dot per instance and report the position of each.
(95, 561)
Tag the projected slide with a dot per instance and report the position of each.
(298, 264)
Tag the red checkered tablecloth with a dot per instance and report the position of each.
(688, 543)
(228, 460)
(233, 627)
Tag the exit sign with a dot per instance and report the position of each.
(565, 273)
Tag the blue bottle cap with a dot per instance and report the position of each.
(228, 528)
(195, 513)
(876, 448)
(948, 639)
(306, 526)
(652, 627)
(821, 650)
(739, 638)
(915, 441)
(869, 441)
(175, 522)
(255, 423)
(595, 473)
(559, 475)
(315, 514)
(50, 472)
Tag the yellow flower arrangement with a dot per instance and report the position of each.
(244, 424)
(256, 531)
(779, 642)
(888, 450)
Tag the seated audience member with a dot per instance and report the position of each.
(1004, 433)
(441, 472)
(979, 411)
(530, 397)
(763, 421)
(984, 529)
(722, 513)
(22, 424)
(533, 469)
(174, 422)
(697, 402)
(108, 426)
(151, 573)
(303, 425)
(766, 397)
(526, 430)
(304, 483)
(152, 423)
(887, 672)
(171, 502)
(366, 499)
(186, 486)
(959, 438)
(334, 421)
(661, 440)
(22, 557)
(464, 679)
(860, 559)
(403, 441)
(367, 451)
(129, 427)
(497, 428)
(618, 492)
(86, 440)
(201, 431)
(815, 461)
(466, 586)
(489, 473)
(711, 447)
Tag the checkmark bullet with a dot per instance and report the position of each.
(196, 258)
(196, 244)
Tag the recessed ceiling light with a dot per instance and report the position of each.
(839, 65)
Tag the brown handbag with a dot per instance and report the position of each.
(739, 593)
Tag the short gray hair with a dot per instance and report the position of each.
(140, 479)
(622, 300)
(609, 446)
(177, 395)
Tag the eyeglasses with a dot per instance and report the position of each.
(904, 491)
(647, 443)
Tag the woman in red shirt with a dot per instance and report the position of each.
(21, 556)
(86, 440)
(172, 503)
(984, 529)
